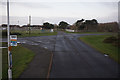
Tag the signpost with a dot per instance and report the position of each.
(9, 54)
(13, 40)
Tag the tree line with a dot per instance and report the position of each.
(79, 24)
(82, 24)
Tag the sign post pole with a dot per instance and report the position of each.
(9, 54)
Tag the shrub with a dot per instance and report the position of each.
(15, 33)
(116, 43)
(4, 33)
(110, 39)
(113, 40)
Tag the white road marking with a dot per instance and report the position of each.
(105, 55)
(18, 42)
(3, 47)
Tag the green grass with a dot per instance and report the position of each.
(20, 56)
(96, 41)
(32, 33)
(37, 34)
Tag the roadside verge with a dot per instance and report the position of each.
(40, 65)
(96, 41)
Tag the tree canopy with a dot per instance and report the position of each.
(47, 25)
(79, 24)
(63, 25)
(91, 22)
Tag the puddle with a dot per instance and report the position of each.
(45, 47)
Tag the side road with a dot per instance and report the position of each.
(39, 66)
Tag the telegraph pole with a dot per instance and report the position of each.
(18, 22)
(29, 19)
(29, 23)
(9, 53)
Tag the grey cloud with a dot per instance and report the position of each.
(32, 4)
(29, 4)
(109, 4)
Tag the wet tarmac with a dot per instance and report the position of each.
(74, 59)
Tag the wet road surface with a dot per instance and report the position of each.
(74, 59)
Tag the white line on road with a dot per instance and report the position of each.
(3, 47)
(105, 55)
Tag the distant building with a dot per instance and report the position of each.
(32, 26)
(108, 27)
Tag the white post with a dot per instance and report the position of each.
(8, 31)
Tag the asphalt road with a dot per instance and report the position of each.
(74, 59)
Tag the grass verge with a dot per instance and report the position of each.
(21, 56)
(96, 41)
(26, 34)
(38, 34)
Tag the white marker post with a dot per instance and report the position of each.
(9, 54)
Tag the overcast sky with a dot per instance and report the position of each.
(54, 11)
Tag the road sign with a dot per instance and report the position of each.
(13, 40)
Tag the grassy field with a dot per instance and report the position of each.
(37, 34)
(32, 33)
(96, 41)
(20, 56)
